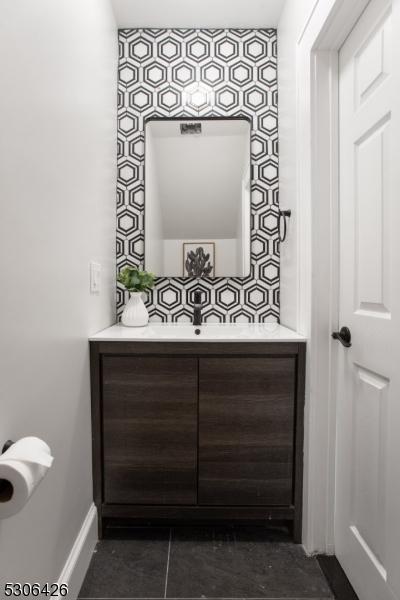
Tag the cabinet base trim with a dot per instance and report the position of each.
(183, 513)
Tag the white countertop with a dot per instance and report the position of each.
(179, 332)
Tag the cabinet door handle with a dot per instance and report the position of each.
(344, 336)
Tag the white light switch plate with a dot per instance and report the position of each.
(95, 277)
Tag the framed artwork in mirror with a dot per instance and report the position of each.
(198, 259)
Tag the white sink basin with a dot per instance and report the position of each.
(177, 332)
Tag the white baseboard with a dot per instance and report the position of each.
(77, 563)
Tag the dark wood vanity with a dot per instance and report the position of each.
(198, 431)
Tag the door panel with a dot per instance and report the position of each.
(372, 60)
(246, 424)
(368, 461)
(372, 153)
(368, 415)
(150, 430)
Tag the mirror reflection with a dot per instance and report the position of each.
(197, 197)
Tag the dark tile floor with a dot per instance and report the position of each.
(203, 563)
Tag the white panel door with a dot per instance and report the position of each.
(367, 515)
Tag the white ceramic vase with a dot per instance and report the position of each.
(135, 312)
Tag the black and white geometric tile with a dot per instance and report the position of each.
(202, 73)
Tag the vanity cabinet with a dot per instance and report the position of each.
(198, 432)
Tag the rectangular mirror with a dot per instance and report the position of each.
(197, 197)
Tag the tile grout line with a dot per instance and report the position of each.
(167, 570)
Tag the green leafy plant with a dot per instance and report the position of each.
(136, 280)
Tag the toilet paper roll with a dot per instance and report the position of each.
(22, 468)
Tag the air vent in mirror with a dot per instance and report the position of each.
(190, 128)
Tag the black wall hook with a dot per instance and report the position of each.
(6, 446)
(286, 214)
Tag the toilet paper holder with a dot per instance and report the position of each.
(5, 489)
(6, 446)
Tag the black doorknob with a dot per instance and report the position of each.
(344, 336)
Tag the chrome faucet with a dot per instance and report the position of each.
(197, 308)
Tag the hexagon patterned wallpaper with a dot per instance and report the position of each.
(188, 72)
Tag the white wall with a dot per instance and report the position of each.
(296, 298)
(291, 23)
(153, 250)
(294, 258)
(310, 33)
(199, 177)
(192, 14)
(243, 226)
(58, 61)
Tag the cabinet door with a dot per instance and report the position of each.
(150, 430)
(246, 430)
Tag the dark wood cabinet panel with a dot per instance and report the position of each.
(246, 430)
(149, 430)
